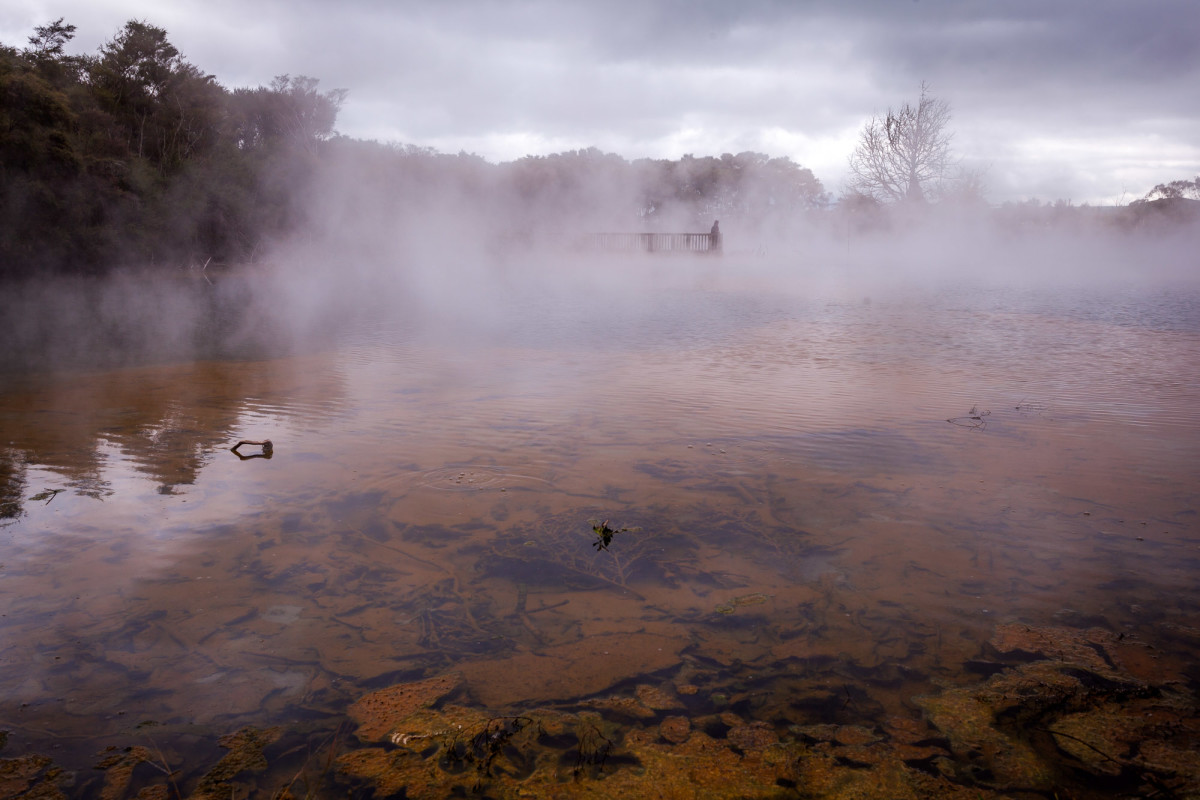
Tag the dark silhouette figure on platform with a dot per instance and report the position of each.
(715, 244)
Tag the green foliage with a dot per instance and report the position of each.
(136, 155)
(167, 109)
(45, 53)
(35, 120)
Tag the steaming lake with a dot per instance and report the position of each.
(679, 525)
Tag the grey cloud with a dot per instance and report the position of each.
(636, 74)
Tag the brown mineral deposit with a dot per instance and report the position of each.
(729, 647)
(118, 766)
(675, 729)
(818, 733)
(674, 760)
(754, 736)
(378, 713)
(855, 735)
(393, 772)
(906, 730)
(1060, 644)
(700, 767)
(826, 775)
(585, 667)
(29, 776)
(805, 647)
(657, 699)
(624, 706)
(245, 753)
(1182, 761)
(971, 717)
(1096, 739)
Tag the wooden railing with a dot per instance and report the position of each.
(653, 242)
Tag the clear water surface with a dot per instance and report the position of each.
(822, 504)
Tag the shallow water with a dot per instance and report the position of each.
(822, 505)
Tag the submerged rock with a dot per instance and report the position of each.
(1090, 648)
(1040, 726)
(574, 669)
(657, 699)
(968, 718)
(245, 754)
(379, 713)
(754, 736)
(675, 729)
(607, 751)
(118, 766)
(30, 776)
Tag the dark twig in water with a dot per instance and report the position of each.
(559, 604)
(47, 495)
(1146, 774)
(594, 748)
(163, 766)
(974, 419)
(267, 448)
(331, 741)
(482, 747)
(1082, 742)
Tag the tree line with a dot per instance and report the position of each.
(135, 155)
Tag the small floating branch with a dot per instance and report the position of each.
(268, 449)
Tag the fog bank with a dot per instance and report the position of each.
(454, 246)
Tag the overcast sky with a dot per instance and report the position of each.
(1088, 100)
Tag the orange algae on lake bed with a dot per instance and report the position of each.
(379, 713)
(830, 591)
(986, 740)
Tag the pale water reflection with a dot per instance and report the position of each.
(799, 538)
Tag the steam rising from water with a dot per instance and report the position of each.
(470, 258)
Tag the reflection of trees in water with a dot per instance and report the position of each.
(173, 447)
(90, 482)
(12, 484)
(83, 476)
(167, 421)
(135, 319)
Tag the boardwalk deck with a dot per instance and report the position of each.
(653, 242)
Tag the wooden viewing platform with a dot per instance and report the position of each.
(653, 242)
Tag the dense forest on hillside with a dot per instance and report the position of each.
(133, 156)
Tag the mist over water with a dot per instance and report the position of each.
(453, 264)
(841, 463)
(331, 467)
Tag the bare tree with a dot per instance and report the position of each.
(906, 155)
